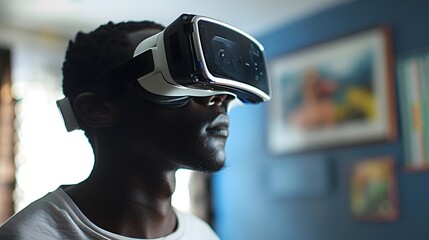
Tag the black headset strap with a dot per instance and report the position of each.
(130, 71)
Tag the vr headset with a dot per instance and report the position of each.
(194, 56)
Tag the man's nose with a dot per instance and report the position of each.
(215, 100)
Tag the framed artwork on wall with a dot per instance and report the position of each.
(413, 81)
(333, 94)
(373, 190)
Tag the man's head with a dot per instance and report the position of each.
(192, 136)
(93, 54)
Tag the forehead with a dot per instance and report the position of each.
(137, 36)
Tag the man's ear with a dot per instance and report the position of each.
(91, 111)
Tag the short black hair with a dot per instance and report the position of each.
(95, 53)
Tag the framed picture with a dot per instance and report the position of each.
(373, 192)
(413, 81)
(334, 94)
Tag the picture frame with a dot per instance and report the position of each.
(413, 82)
(336, 93)
(373, 190)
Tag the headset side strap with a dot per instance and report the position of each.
(135, 68)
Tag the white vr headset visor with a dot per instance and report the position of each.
(194, 56)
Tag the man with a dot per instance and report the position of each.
(138, 146)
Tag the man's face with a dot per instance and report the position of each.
(192, 136)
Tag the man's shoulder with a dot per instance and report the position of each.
(36, 219)
(195, 228)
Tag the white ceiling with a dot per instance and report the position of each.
(66, 17)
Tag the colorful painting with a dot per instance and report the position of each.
(337, 93)
(373, 190)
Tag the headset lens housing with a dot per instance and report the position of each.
(230, 57)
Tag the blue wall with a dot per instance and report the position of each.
(246, 207)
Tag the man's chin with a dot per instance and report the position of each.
(212, 165)
(213, 168)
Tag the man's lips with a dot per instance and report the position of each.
(219, 126)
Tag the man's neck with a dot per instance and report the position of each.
(127, 202)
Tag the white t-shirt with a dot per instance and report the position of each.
(56, 216)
